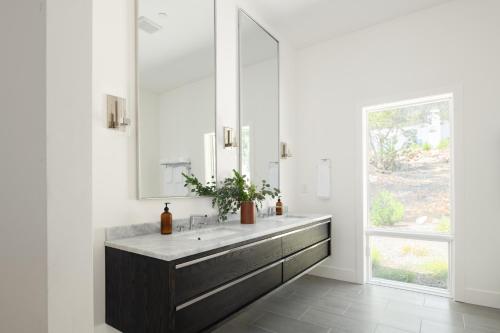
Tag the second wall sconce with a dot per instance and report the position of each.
(117, 113)
(285, 150)
(229, 140)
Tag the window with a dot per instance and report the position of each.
(408, 191)
(245, 152)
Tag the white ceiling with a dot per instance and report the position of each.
(187, 28)
(306, 22)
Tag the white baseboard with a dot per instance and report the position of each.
(488, 298)
(336, 273)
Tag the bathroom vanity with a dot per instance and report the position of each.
(189, 281)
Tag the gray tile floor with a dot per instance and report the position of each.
(313, 304)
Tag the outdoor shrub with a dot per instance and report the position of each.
(375, 255)
(416, 251)
(438, 269)
(426, 146)
(444, 143)
(443, 224)
(394, 274)
(386, 210)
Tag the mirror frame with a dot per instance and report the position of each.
(243, 12)
(137, 118)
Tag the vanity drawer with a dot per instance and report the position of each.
(299, 240)
(301, 261)
(227, 299)
(201, 275)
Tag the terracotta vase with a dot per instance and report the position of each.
(247, 212)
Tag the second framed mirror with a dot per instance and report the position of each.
(259, 102)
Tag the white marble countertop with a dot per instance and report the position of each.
(183, 244)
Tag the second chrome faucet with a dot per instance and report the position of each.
(193, 218)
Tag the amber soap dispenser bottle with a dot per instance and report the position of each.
(166, 221)
(279, 207)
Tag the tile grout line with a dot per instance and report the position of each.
(303, 313)
(347, 308)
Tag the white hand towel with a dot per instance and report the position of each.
(178, 171)
(167, 173)
(324, 171)
(167, 180)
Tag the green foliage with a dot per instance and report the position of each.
(416, 251)
(426, 146)
(443, 225)
(386, 210)
(232, 192)
(207, 190)
(437, 269)
(394, 274)
(375, 256)
(444, 144)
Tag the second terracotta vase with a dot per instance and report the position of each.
(247, 212)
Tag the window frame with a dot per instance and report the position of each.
(369, 231)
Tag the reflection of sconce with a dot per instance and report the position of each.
(229, 141)
(117, 116)
(285, 151)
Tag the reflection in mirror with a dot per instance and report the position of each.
(176, 94)
(259, 102)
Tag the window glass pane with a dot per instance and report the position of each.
(409, 167)
(412, 261)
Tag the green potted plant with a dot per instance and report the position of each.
(233, 194)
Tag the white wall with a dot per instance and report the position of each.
(114, 178)
(23, 186)
(69, 165)
(451, 47)
(46, 167)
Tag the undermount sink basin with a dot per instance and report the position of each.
(287, 218)
(209, 234)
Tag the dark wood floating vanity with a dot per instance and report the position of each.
(192, 293)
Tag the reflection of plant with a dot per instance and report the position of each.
(386, 210)
(231, 192)
(197, 187)
(443, 225)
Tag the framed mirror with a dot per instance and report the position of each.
(175, 95)
(259, 102)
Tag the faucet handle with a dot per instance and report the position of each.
(201, 224)
(181, 228)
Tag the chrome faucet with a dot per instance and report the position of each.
(192, 218)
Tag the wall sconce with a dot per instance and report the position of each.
(285, 151)
(117, 114)
(229, 141)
